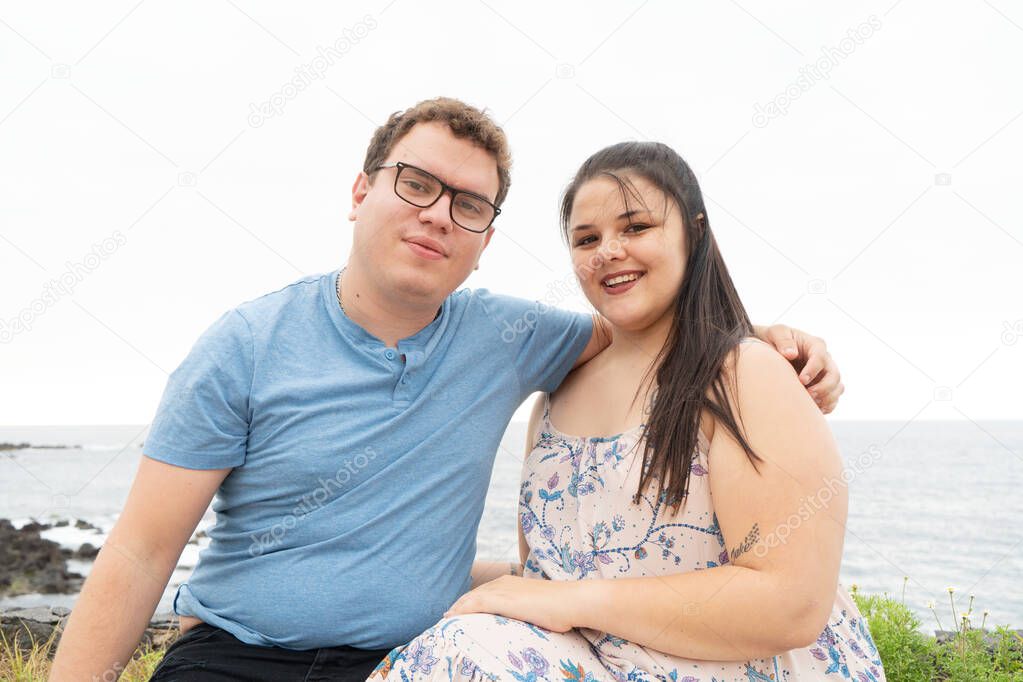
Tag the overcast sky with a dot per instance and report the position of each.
(860, 162)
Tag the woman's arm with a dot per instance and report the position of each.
(806, 352)
(599, 340)
(783, 528)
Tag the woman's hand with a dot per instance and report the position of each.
(809, 355)
(546, 603)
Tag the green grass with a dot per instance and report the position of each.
(33, 663)
(909, 655)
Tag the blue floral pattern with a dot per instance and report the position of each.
(579, 521)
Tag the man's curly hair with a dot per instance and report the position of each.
(463, 120)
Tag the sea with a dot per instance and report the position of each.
(934, 505)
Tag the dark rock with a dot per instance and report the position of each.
(194, 540)
(990, 640)
(39, 624)
(62, 523)
(35, 526)
(82, 524)
(26, 446)
(29, 626)
(30, 563)
(87, 551)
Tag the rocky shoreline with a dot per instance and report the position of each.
(29, 446)
(30, 563)
(33, 564)
(38, 624)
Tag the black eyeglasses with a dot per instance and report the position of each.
(423, 189)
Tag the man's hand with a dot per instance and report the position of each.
(809, 355)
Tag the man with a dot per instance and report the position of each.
(348, 425)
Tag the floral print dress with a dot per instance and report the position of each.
(576, 512)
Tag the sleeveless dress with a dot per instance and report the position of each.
(576, 512)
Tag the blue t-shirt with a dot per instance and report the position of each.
(359, 478)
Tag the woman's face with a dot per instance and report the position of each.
(630, 258)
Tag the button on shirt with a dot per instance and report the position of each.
(359, 471)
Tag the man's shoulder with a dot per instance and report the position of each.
(503, 306)
(482, 303)
(492, 300)
(272, 304)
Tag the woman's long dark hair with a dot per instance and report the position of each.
(708, 322)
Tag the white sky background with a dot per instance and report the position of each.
(134, 117)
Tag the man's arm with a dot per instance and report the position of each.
(131, 571)
(808, 354)
(599, 340)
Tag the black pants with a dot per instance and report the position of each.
(207, 653)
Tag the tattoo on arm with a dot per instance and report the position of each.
(747, 544)
(513, 568)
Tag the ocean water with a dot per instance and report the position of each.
(938, 502)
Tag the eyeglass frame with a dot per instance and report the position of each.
(445, 188)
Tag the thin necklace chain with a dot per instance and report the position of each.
(337, 289)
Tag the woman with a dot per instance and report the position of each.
(702, 540)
